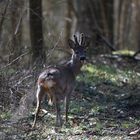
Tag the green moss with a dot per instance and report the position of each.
(128, 124)
(124, 52)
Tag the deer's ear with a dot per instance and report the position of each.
(71, 44)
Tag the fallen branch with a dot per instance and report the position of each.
(135, 132)
(135, 54)
(107, 42)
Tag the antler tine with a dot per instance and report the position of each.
(82, 39)
(75, 38)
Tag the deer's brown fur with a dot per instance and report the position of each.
(58, 81)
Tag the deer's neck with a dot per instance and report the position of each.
(75, 65)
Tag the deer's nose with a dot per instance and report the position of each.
(82, 58)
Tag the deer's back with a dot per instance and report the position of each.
(59, 79)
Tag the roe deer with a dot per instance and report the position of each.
(58, 81)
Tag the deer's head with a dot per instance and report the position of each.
(79, 46)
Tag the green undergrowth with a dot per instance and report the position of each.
(5, 115)
(95, 74)
(99, 109)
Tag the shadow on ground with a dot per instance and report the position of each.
(105, 105)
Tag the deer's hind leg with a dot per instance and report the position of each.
(39, 95)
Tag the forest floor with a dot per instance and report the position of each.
(104, 106)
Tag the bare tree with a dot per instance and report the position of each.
(36, 31)
(68, 18)
(16, 30)
(95, 18)
(126, 24)
(3, 14)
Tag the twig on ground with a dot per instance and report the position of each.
(12, 89)
(20, 81)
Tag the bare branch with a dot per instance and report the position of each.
(15, 60)
(135, 54)
(55, 45)
(111, 47)
(3, 17)
(19, 22)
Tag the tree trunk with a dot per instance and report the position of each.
(16, 30)
(36, 32)
(68, 18)
(3, 15)
(95, 17)
(126, 24)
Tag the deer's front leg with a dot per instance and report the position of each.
(58, 113)
(39, 96)
(67, 101)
